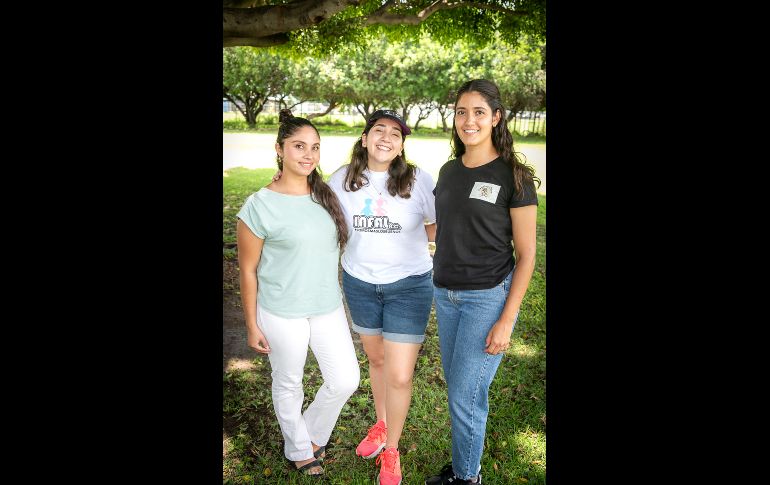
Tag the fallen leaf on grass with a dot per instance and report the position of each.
(339, 440)
(494, 465)
(536, 462)
(267, 472)
(522, 479)
(412, 447)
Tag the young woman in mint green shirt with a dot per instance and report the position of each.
(289, 238)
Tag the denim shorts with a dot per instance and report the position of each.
(398, 311)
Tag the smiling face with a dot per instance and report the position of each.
(474, 119)
(301, 151)
(383, 143)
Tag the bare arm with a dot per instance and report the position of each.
(524, 221)
(249, 254)
(431, 230)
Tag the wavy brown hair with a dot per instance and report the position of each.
(501, 136)
(401, 174)
(320, 192)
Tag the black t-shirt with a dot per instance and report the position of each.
(473, 222)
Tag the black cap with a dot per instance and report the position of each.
(388, 113)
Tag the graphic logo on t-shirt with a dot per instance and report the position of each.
(378, 211)
(374, 220)
(485, 191)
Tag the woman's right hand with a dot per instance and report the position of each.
(257, 341)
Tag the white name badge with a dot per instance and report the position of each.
(485, 191)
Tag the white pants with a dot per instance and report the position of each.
(329, 338)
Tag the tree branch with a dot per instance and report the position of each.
(269, 20)
(239, 3)
(266, 41)
(332, 105)
(232, 100)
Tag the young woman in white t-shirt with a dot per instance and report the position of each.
(389, 208)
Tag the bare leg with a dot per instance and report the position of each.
(400, 359)
(375, 352)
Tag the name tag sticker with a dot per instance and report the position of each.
(485, 191)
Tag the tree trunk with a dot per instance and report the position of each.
(443, 112)
(253, 109)
(364, 110)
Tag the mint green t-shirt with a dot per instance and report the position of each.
(298, 269)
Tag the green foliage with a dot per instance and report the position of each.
(268, 119)
(473, 25)
(250, 77)
(263, 122)
(235, 125)
(381, 73)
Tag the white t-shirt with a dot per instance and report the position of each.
(387, 239)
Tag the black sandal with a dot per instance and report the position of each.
(305, 469)
(320, 453)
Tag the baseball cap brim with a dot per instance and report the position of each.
(379, 114)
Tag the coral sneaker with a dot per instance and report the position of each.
(374, 442)
(390, 467)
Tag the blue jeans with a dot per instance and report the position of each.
(465, 317)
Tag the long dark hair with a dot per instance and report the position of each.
(320, 192)
(501, 136)
(401, 173)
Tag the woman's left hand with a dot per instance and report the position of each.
(499, 338)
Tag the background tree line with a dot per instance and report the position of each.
(413, 76)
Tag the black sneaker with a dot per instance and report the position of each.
(447, 475)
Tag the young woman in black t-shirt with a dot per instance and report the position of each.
(485, 198)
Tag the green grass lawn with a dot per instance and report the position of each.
(516, 430)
